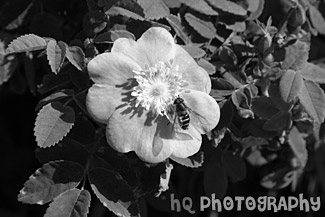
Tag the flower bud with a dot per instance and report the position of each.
(297, 17)
(264, 44)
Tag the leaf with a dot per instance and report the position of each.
(8, 65)
(256, 129)
(234, 165)
(313, 73)
(54, 97)
(74, 203)
(234, 81)
(103, 38)
(207, 66)
(317, 19)
(252, 5)
(50, 181)
(200, 6)
(296, 56)
(53, 122)
(130, 5)
(175, 22)
(312, 97)
(194, 161)
(256, 158)
(121, 34)
(158, 24)
(154, 9)
(113, 192)
(164, 179)
(290, 84)
(277, 99)
(18, 21)
(25, 43)
(173, 3)
(215, 181)
(114, 11)
(255, 13)
(227, 55)
(279, 176)
(228, 6)
(222, 84)
(11, 9)
(251, 141)
(242, 102)
(68, 150)
(227, 111)
(251, 92)
(94, 22)
(204, 28)
(55, 55)
(237, 26)
(221, 88)
(298, 146)
(76, 57)
(263, 107)
(279, 121)
(194, 51)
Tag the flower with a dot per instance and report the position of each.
(134, 89)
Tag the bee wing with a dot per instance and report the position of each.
(197, 120)
(179, 133)
(176, 131)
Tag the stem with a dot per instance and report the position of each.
(77, 101)
(85, 175)
(67, 102)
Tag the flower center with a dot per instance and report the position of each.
(158, 86)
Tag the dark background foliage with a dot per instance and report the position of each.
(28, 78)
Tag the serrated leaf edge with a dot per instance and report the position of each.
(35, 125)
(10, 48)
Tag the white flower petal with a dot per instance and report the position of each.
(155, 45)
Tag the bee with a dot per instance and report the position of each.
(181, 116)
(182, 113)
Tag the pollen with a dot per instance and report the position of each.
(158, 86)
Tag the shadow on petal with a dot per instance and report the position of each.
(157, 146)
(165, 135)
(151, 118)
(160, 134)
(129, 103)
